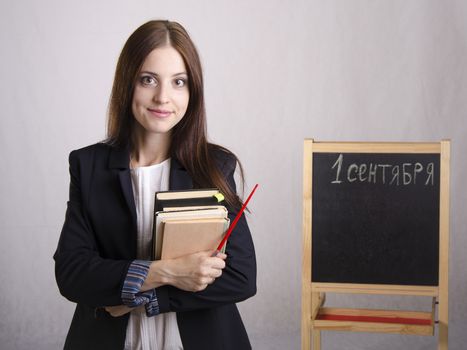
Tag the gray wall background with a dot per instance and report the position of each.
(276, 72)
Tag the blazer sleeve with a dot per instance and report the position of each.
(238, 280)
(82, 275)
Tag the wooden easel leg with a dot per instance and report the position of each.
(316, 336)
(306, 315)
(443, 318)
(306, 338)
(443, 336)
(443, 298)
(317, 300)
(443, 324)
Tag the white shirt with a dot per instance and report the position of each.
(158, 332)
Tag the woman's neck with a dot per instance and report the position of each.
(149, 149)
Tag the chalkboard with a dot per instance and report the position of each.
(375, 218)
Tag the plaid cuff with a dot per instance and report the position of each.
(152, 307)
(137, 273)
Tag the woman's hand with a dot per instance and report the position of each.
(193, 272)
(117, 311)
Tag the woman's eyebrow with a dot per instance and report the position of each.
(148, 72)
(157, 75)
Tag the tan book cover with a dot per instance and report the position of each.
(182, 237)
(160, 217)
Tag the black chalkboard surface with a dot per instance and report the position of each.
(375, 218)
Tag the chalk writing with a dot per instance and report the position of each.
(404, 174)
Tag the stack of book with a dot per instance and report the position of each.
(187, 222)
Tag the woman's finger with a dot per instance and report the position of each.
(217, 263)
(222, 256)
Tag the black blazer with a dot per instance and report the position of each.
(98, 243)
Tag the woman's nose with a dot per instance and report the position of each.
(161, 94)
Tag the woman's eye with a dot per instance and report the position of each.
(148, 80)
(180, 82)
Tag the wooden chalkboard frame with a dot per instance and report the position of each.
(313, 293)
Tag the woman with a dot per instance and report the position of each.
(156, 141)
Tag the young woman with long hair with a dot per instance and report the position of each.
(156, 141)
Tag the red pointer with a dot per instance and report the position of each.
(234, 223)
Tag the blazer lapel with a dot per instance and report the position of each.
(127, 189)
(179, 179)
(120, 159)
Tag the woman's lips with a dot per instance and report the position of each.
(160, 113)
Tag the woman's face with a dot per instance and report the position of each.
(161, 93)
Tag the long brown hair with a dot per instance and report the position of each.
(189, 143)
